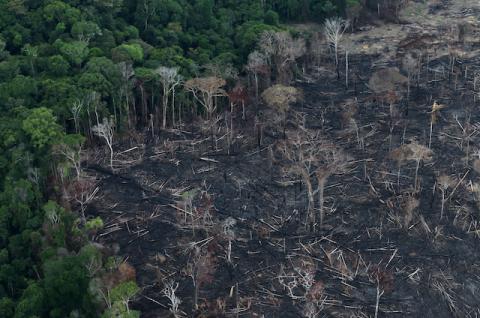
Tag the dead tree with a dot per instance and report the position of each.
(302, 155)
(279, 98)
(332, 161)
(317, 48)
(238, 95)
(410, 64)
(334, 28)
(169, 291)
(418, 153)
(310, 156)
(82, 192)
(257, 65)
(444, 182)
(201, 268)
(433, 119)
(127, 72)
(348, 47)
(283, 51)
(76, 110)
(170, 79)
(205, 90)
(71, 150)
(105, 130)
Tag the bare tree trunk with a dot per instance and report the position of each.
(416, 174)
(346, 69)
(336, 61)
(165, 101)
(255, 75)
(311, 202)
(173, 107)
(111, 156)
(321, 200)
(195, 295)
(430, 138)
(443, 204)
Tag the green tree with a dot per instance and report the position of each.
(85, 30)
(75, 52)
(66, 286)
(41, 127)
(7, 307)
(57, 65)
(128, 53)
(33, 302)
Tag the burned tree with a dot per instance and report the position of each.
(76, 110)
(238, 95)
(334, 28)
(105, 131)
(433, 119)
(313, 159)
(279, 98)
(283, 50)
(169, 78)
(71, 149)
(444, 182)
(257, 65)
(418, 153)
(127, 72)
(205, 90)
(202, 266)
(411, 65)
(170, 293)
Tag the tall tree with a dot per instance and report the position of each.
(170, 79)
(334, 28)
(205, 90)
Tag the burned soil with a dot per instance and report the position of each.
(221, 208)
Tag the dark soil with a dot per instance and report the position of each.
(371, 247)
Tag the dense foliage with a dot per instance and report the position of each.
(64, 65)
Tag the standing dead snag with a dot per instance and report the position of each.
(127, 72)
(279, 97)
(76, 110)
(237, 95)
(170, 292)
(333, 161)
(387, 79)
(82, 192)
(283, 50)
(202, 268)
(302, 155)
(204, 90)
(400, 156)
(348, 45)
(309, 155)
(392, 98)
(257, 65)
(444, 182)
(418, 153)
(169, 78)
(433, 118)
(411, 65)
(412, 151)
(71, 149)
(105, 130)
(334, 28)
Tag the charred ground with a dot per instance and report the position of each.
(179, 201)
